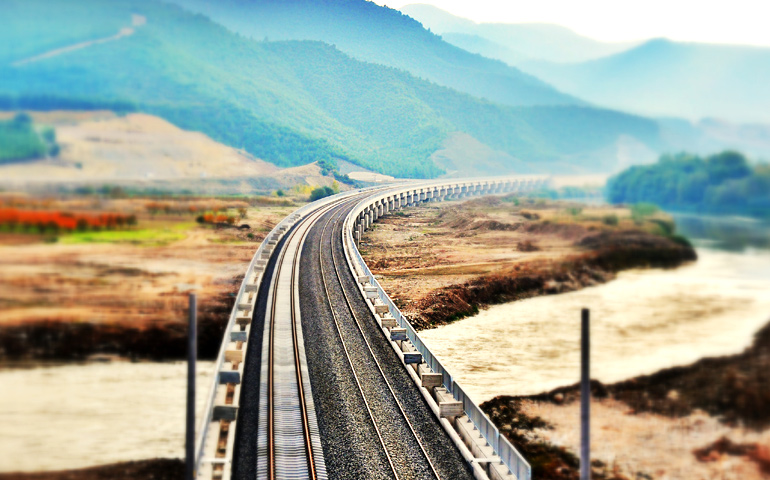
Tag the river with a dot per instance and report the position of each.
(73, 416)
(641, 322)
(77, 415)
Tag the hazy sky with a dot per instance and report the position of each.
(734, 21)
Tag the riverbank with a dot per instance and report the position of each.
(643, 321)
(72, 416)
(155, 469)
(705, 420)
(442, 262)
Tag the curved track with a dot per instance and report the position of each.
(365, 417)
(370, 412)
(288, 441)
(376, 417)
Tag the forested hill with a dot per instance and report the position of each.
(385, 36)
(289, 103)
(721, 183)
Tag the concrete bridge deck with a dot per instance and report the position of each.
(381, 405)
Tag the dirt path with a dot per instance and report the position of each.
(136, 22)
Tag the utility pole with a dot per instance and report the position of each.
(585, 396)
(192, 354)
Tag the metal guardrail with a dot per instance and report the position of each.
(511, 457)
(205, 422)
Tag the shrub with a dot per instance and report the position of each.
(639, 211)
(666, 227)
(320, 192)
(574, 211)
(611, 220)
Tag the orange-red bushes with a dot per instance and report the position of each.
(54, 220)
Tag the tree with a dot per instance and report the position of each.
(22, 120)
(320, 193)
(727, 165)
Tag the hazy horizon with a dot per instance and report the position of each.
(742, 24)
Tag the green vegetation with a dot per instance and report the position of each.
(290, 102)
(640, 211)
(146, 238)
(47, 102)
(20, 140)
(723, 183)
(383, 36)
(321, 192)
(610, 220)
(574, 211)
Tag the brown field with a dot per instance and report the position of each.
(125, 291)
(142, 149)
(440, 262)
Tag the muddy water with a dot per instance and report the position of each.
(643, 321)
(72, 416)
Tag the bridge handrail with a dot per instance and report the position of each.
(509, 455)
(208, 410)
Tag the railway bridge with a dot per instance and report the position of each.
(321, 376)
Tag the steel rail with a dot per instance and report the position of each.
(297, 363)
(371, 352)
(350, 361)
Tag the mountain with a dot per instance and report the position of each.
(485, 47)
(381, 35)
(513, 43)
(287, 102)
(666, 78)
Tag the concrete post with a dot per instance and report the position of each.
(585, 396)
(192, 355)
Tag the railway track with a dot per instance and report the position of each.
(289, 443)
(359, 381)
(351, 406)
(411, 437)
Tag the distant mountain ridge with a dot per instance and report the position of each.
(293, 102)
(384, 36)
(666, 78)
(513, 43)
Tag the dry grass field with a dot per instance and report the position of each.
(124, 291)
(444, 261)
